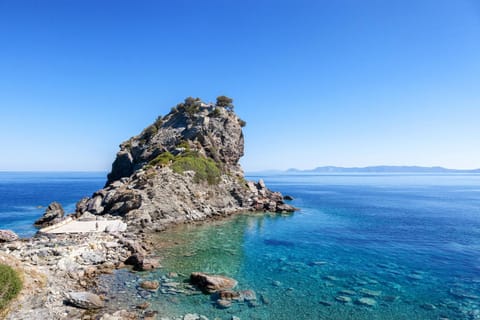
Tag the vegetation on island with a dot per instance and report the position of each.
(10, 285)
(182, 158)
(205, 169)
(225, 102)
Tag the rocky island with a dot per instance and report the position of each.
(184, 167)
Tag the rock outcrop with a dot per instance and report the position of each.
(183, 167)
(53, 214)
(8, 236)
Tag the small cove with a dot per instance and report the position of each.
(362, 247)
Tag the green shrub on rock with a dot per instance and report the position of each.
(226, 102)
(205, 169)
(10, 284)
(162, 160)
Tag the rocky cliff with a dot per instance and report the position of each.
(184, 166)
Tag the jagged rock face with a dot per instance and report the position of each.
(151, 193)
(53, 214)
(212, 131)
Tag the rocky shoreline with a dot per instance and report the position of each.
(183, 168)
(61, 277)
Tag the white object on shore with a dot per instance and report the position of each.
(74, 226)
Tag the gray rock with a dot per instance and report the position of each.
(85, 300)
(93, 258)
(53, 214)
(8, 236)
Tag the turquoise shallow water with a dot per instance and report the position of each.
(410, 244)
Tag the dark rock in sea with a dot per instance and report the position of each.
(8, 236)
(53, 214)
(85, 300)
(288, 197)
(212, 283)
(183, 167)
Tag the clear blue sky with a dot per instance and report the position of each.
(348, 83)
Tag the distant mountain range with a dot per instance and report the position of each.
(382, 169)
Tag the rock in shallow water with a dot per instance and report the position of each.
(367, 302)
(224, 304)
(212, 283)
(343, 299)
(150, 285)
(370, 293)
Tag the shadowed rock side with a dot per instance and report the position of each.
(182, 167)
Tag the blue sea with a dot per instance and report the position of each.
(361, 247)
(24, 196)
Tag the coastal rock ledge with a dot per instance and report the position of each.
(183, 167)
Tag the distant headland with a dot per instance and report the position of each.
(369, 169)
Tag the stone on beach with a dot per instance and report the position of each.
(85, 300)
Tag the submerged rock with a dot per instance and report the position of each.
(224, 303)
(367, 302)
(150, 285)
(370, 293)
(212, 283)
(343, 299)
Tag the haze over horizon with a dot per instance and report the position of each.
(347, 83)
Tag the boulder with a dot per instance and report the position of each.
(85, 300)
(212, 283)
(8, 236)
(224, 304)
(140, 263)
(53, 214)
